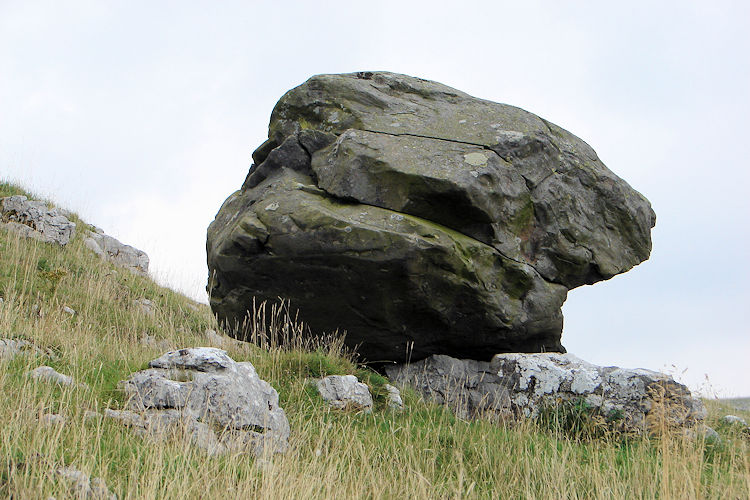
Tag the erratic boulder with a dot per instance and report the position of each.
(420, 220)
(522, 385)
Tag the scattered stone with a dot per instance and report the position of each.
(345, 392)
(394, 397)
(711, 436)
(89, 415)
(201, 390)
(112, 250)
(33, 219)
(151, 341)
(83, 487)
(49, 374)
(145, 306)
(522, 385)
(36, 310)
(214, 338)
(734, 420)
(69, 310)
(10, 348)
(52, 419)
(375, 207)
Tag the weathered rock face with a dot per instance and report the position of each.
(33, 219)
(203, 389)
(421, 220)
(345, 392)
(111, 249)
(520, 385)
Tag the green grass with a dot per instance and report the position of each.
(423, 452)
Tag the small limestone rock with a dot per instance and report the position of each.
(52, 419)
(69, 310)
(394, 397)
(89, 415)
(83, 487)
(33, 219)
(345, 392)
(10, 348)
(152, 341)
(711, 436)
(145, 306)
(734, 420)
(201, 389)
(49, 374)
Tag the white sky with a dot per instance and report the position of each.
(141, 116)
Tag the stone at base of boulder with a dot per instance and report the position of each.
(522, 385)
(345, 392)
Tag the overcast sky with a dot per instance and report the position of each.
(141, 116)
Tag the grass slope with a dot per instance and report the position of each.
(422, 452)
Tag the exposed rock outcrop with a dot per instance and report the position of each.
(522, 385)
(34, 219)
(220, 405)
(421, 220)
(111, 249)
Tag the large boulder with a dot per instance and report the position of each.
(421, 220)
(523, 385)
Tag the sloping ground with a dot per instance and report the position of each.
(422, 452)
(738, 403)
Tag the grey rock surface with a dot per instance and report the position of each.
(113, 250)
(34, 219)
(145, 306)
(52, 419)
(420, 220)
(10, 348)
(394, 397)
(49, 374)
(222, 405)
(468, 387)
(82, 486)
(734, 420)
(522, 385)
(345, 392)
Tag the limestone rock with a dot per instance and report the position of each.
(52, 419)
(522, 385)
(468, 387)
(628, 396)
(49, 374)
(111, 249)
(81, 486)
(345, 392)
(201, 389)
(33, 219)
(734, 420)
(420, 220)
(394, 397)
(10, 348)
(145, 306)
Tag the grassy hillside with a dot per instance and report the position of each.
(422, 452)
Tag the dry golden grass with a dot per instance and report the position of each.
(423, 452)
